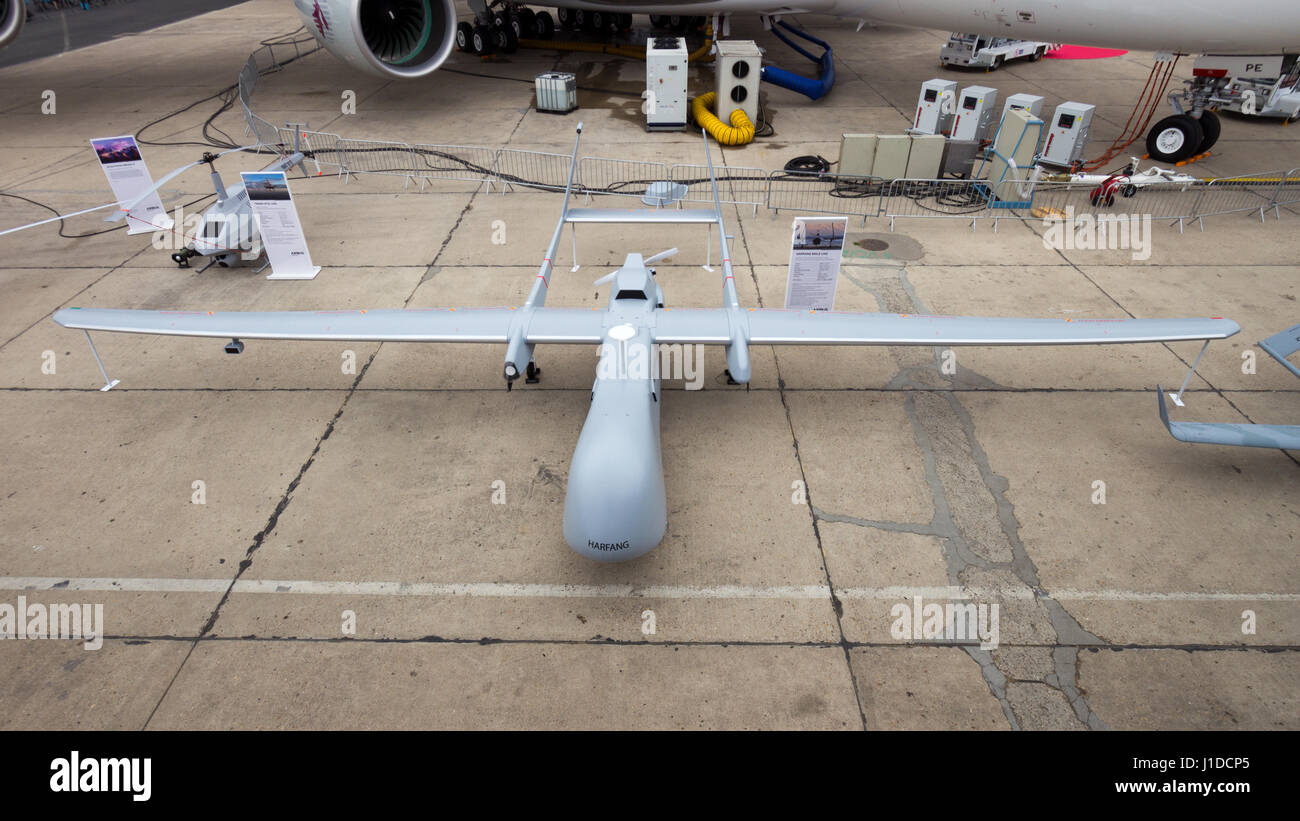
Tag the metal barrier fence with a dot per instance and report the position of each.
(390, 159)
(824, 194)
(1288, 193)
(808, 192)
(737, 185)
(935, 199)
(530, 169)
(463, 163)
(629, 178)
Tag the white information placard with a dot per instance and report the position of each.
(816, 250)
(129, 178)
(277, 222)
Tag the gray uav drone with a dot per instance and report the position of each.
(615, 505)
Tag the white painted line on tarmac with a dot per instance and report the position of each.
(604, 591)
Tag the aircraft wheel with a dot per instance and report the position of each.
(1210, 130)
(1174, 138)
(506, 41)
(565, 17)
(483, 40)
(464, 35)
(543, 26)
(525, 22)
(623, 22)
(1038, 54)
(657, 21)
(1129, 190)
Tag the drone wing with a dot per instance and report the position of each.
(551, 325)
(780, 327)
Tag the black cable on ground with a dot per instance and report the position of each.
(809, 164)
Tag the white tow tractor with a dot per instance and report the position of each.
(1266, 97)
(978, 51)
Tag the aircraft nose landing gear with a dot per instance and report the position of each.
(182, 258)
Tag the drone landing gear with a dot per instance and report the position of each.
(182, 258)
(730, 381)
(533, 374)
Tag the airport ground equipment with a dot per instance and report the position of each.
(615, 504)
(557, 92)
(935, 107)
(857, 155)
(812, 88)
(976, 108)
(1235, 82)
(925, 156)
(1067, 135)
(1029, 102)
(738, 68)
(1287, 437)
(1266, 96)
(1125, 182)
(1009, 165)
(665, 82)
(739, 132)
(979, 51)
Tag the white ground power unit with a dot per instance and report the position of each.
(665, 84)
(738, 66)
(975, 110)
(935, 107)
(1025, 102)
(1067, 134)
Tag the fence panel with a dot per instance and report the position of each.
(392, 159)
(470, 163)
(1288, 193)
(1227, 195)
(737, 185)
(825, 193)
(319, 147)
(935, 199)
(629, 178)
(531, 169)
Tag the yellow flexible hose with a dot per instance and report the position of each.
(740, 132)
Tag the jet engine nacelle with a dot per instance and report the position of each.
(391, 38)
(13, 14)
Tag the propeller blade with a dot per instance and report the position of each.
(130, 206)
(607, 278)
(56, 219)
(121, 215)
(671, 252)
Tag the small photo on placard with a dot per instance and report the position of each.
(269, 186)
(116, 149)
(821, 235)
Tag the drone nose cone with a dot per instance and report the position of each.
(614, 506)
